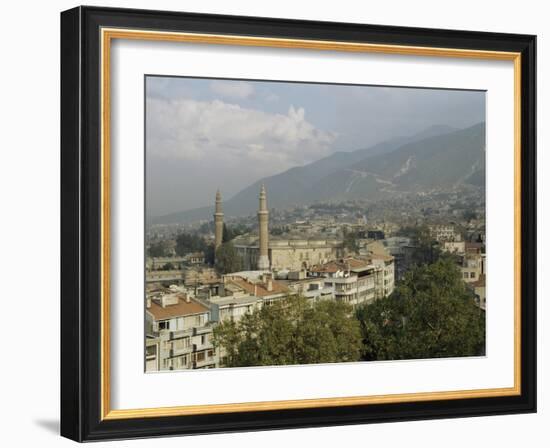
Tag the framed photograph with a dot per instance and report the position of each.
(273, 223)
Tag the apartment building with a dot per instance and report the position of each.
(179, 333)
(357, 280)
(472, 263)
(444, 232)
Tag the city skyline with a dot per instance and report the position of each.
(312, 223)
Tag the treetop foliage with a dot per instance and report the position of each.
(291, 331)
(227, 259)
(188, 242)
(157, 249)
(431, 314)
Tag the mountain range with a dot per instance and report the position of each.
(438, 157)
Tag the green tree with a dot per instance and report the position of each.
(157, 249)
(187, 243)
(230, 233)
(350, 241)
(227, 259)
(227, 234)
(426, 249)
(291, 331)
(431, 314)
(209, 254)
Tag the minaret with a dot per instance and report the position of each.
(218, 221)
(263, 216)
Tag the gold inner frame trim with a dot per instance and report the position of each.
(107, 35)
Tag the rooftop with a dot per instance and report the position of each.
(251, 238)
(258, 289)
(228, 300)
(343, 264)
(182, 308)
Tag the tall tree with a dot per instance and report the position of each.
(291, 331)
(227, 234)
(431, 314)
(187, 243)
(209, 254)
(227, 259)
(231, 232)
(350, 241)
(157, 249)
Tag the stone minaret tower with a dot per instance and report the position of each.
(263, 216)
(218, 221)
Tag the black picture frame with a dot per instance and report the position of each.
(81, 224)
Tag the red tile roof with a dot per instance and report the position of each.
(259, 289)
(182, 308)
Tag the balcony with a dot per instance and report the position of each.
(175, 351)
(199, 347)
(208, 362)
(197, 331)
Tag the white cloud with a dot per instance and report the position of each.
(232, 89)
(239, 138)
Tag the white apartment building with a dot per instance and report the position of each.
(454, 247)
(314, 289)
(387, 273)
(234, 307)
(357, 281)
(472, 267)
(444, 232)
(179, 333)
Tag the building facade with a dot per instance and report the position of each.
(289, 254)
(265, 252)
(358, 280)
(178, 333)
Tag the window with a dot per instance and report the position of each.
(164, 325)
(472, 275)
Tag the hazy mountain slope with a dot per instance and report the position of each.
(289, 187)
(339, 176)
(436, 162)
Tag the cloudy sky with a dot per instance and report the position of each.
(202, 134)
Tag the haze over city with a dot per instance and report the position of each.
(204, 134)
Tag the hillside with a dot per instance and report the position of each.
(436, 162)
(438, 157)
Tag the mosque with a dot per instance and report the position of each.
(286, 252)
